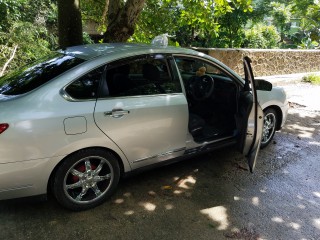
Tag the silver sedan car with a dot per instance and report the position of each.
(81, 118)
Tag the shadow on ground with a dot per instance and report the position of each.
(212, 196)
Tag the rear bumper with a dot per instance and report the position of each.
(24, 179)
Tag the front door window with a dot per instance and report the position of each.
(212, 99)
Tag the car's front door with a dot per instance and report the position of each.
(250, 118)
(143, 109)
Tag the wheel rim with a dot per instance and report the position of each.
(269, 125)
(88, 180)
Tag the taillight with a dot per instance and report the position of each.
(3, 127)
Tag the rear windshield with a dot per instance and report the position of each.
(36, 74)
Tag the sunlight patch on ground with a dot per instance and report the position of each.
(129, 212)
(169, 207)
(285, 171)
(300, 197)
(255, 201)
(314, 143)
(127, 194)
(119, 201)
(152, 193)
(186, 182)
(301, 206)
(305, 132)
(177, 192)
(317, 194)
(263, 190)
(277, 219)
(295, 226)
(316, 223)
(148, 206)
(219, 215)
(236, 198)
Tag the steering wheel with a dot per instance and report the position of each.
(202, 87)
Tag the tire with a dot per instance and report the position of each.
(86, 179)
(269, 126)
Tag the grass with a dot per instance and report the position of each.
(312, 78)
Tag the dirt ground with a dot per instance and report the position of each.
(209, 197)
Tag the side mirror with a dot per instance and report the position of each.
(263, 85)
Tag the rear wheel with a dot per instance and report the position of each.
(86, 179)
(269, 126)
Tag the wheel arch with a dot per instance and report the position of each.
(53, 172)
(279, 115)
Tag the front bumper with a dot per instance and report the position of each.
(285, 109)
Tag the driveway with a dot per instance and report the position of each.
(208, 197)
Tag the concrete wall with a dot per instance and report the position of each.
(267, 62)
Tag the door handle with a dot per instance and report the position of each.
(116, 113)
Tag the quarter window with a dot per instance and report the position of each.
(86, 87)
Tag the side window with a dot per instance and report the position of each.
(194, 67)
(86, 87)
(143, 75)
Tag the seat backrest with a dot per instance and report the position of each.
(121, 82)
(151, 72)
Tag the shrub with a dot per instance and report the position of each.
(261, 36)
(312, 78)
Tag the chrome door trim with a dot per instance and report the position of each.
(160, 155)
(141, 96)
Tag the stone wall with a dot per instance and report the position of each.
(266, 62)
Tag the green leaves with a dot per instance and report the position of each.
(193, 22)
(261, 36)
(25, 23)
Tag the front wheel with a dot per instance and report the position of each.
(269, 126)
(86, 179)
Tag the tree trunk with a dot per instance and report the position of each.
(105, 11)
(9, 60)
(122, 20)
(69, 23)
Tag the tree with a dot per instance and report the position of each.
(24, 34)
(116, 18)
(155, 19)
(122, 18)
(231, 30)
(192, 22)
(69, 23)
(309, 34)
(281, 14)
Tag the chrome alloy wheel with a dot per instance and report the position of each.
(88, 180)
(269, 126)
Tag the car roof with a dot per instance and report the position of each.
(114, 50)
(90, 51)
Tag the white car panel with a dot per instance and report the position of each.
(255, 120)
(47, 127)
(161, 122)
(277, 97)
